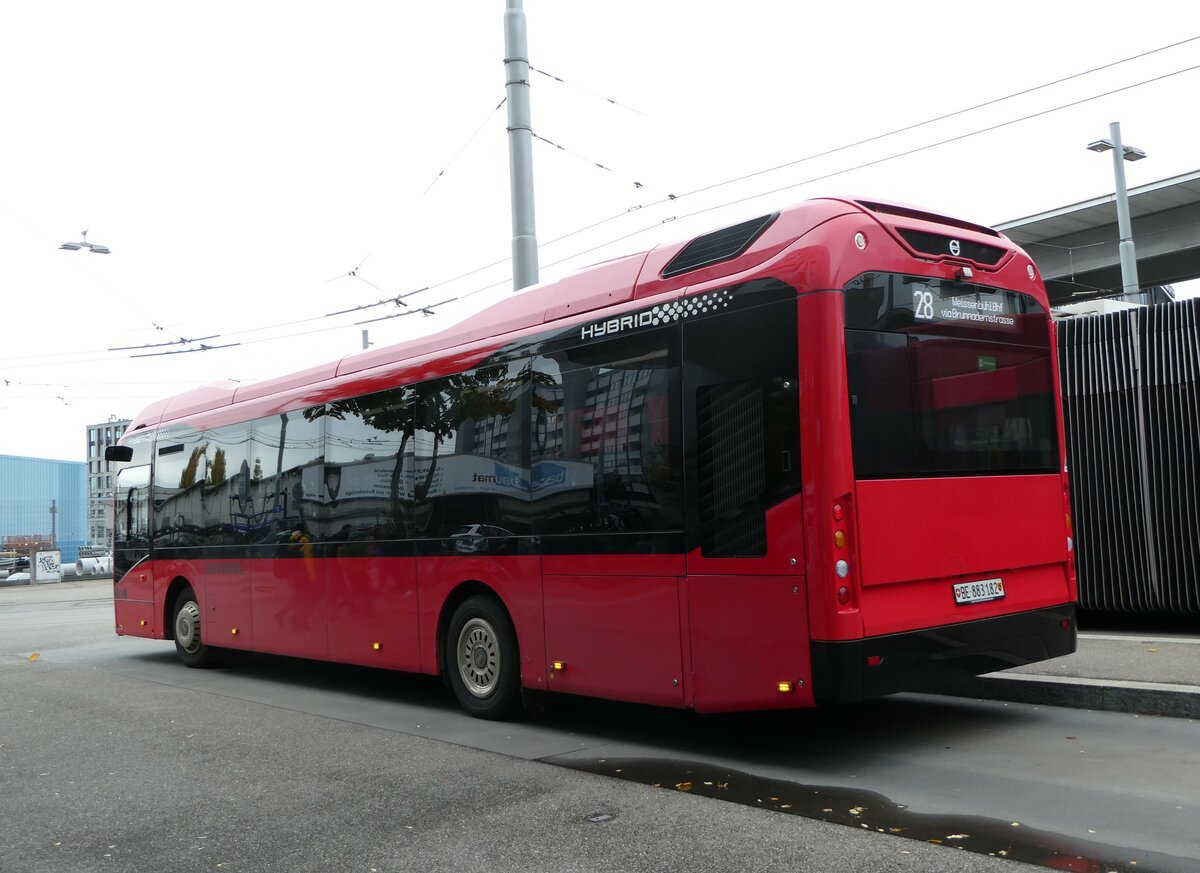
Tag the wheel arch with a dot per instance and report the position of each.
(173, 590)
(462, 592)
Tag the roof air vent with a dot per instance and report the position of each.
(720, 245)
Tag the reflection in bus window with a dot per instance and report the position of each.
(283, 494)
(132, 522)
(470, 452)
(366, 494)
(605, 434)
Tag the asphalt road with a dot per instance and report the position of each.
(115, 757)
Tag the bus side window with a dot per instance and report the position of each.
(742, 422)
(606, 427)
(133, 505)
(471, 457)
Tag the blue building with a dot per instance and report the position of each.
(29, 489)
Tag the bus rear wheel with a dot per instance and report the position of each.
(186, 623)
(481, 659)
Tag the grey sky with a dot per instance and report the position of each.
(241, 159)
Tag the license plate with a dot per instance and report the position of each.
(979, 592)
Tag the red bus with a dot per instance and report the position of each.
(811, 458)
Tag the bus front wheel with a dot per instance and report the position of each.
(481, 659)
(191, 651)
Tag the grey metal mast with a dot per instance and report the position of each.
(1129, 274)
(520, 146)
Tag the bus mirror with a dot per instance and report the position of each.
(118, 453)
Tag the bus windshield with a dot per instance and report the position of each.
(947, 379)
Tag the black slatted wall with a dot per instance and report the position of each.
(1130, 383)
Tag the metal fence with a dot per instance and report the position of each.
(1129, 383)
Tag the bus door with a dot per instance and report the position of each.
(745, 587)
(607, 497)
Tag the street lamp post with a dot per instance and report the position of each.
(1129, 276)
(94, 248)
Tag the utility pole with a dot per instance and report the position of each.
(1122, 153)
(1129, 276)
(520, 146)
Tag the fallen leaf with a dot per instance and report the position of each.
(958, 836)
(34, 656)
(858, 810)
(683, 786)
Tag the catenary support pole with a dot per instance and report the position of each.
(520, 146)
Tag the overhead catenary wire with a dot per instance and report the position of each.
(843, 171)
(566, 150)
(671, 198)
(562, 81)
(465, 145)
(876, 137)
(421, 310)
(203, 348)
(398, 300)
(871, 163)
(179, 342)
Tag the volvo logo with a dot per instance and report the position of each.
(955, 247)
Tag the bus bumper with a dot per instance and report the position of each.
(852, 670)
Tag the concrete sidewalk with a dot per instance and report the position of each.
(1146, 674)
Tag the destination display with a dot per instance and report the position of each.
(898, 303)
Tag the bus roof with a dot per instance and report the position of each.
(609, 283)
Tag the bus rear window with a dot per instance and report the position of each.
(947, 379)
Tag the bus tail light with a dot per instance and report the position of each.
(843, 552)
